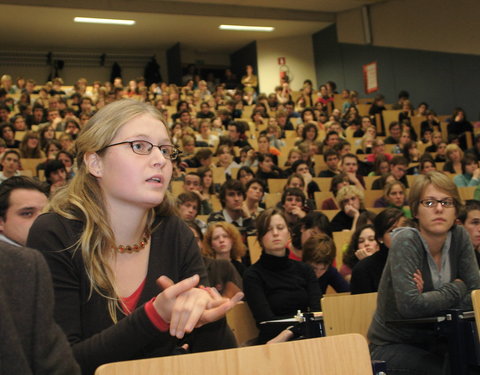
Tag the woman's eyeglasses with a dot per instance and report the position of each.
(145, 148)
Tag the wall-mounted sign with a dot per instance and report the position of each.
(370, 77)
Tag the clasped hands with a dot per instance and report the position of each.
(185, 307)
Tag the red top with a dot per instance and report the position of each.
(130, 303)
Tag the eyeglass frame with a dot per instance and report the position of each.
(437, 201)
(176, 151)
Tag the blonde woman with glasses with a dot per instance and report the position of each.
(125, 268)
(429, 269)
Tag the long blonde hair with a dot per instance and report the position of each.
(83, 199)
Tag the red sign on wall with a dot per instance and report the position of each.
(370, 77)
(281, 61)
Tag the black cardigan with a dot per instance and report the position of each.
(94, 338)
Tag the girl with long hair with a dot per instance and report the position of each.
(124, 267)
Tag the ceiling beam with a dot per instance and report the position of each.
(184, 8)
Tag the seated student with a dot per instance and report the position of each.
(395, 133)
(350, 199)
(428, 270)
(110, 235)
(367, 272)
(205, 135)
(232, 196)
(226, 160)
(245, 174)
(236, 133)
(475, 150)
(223, 241)
(314, 223)
(293, 155)
(55, 174)
(205, 112)
(188, 146)
(331, 160)
(254, 192)
(469, 217)
(319, 252)
(188, 205)
(222, 274)
(378, 150)
(394, 196)
(10, 165)
(398, 169)
(436, 140)
(362, 244)
(336, 184)
(470, 172)
(293, 206)
(301, 167)
(276, 287)
(7, 132)
(32, 343)
(349, 166)
(267, 168)
(454, 156)
(202, 158)
(296, 180)
(381, 166)
(22, 199)
(427, 164)
(265, 148)
(193, 183)
(30, 146)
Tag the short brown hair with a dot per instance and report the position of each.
(238, 248)
(319, 249)
(440, 181)
(263, 222)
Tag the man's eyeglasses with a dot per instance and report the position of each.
(145, 148)
(430, 203)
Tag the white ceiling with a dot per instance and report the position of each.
(48, 25)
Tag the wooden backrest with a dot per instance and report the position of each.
(241, 322)
(276, 185)
(467, 192)
(330, 213)
(341, 239)
(349, 313)
(31, 164)
(476, 308)
(345, 354)
(320, 196)
(254, 248)
(363, 109)
(323, 183)
(388, 117)
(271, 199)
(371, 196)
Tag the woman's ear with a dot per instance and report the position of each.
(94, 164)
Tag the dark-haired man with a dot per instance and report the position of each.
(469, 217)
(22, 199)
(232, 195)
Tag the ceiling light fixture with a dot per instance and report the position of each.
(107, 21)
(246, 28)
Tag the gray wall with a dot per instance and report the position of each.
(444, 80)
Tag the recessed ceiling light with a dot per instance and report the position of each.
(107, 21)
(246, 28)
